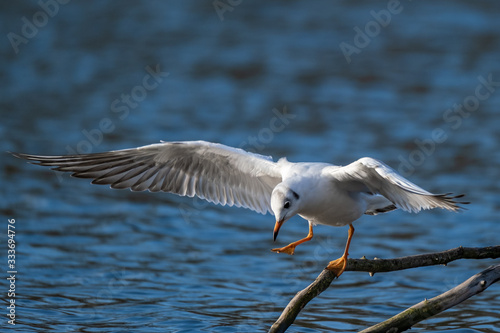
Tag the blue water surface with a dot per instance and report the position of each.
(414, 84)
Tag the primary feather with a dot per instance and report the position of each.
(234, 177)
(217, 173)
(370, 175)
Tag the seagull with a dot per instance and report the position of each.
(320, 193)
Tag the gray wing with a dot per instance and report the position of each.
(214, 172)
(370, 175)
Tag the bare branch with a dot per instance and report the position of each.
(428, 308)
(326, 277)
(421, 260)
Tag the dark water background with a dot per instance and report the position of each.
(91, 259)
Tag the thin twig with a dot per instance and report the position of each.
(326, 277)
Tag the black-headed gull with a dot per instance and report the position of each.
(321, 193)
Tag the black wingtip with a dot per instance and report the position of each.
(457, 203)
(18, 155)
(451, 203)
(29, 158)
(460, 202)
(22, 156)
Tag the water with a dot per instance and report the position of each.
(91, 259)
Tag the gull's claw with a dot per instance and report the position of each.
(337, 266)
(287, 249)
(290, 248)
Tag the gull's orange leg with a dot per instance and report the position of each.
(337, 266)
(290, 248)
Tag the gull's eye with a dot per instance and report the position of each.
(286, 205)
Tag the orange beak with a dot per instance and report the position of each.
(277, 227)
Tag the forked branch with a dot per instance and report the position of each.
(326, 277)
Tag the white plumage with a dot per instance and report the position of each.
(319, 192)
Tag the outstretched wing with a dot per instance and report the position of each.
(214, 172)
(370, 175)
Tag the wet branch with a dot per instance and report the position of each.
(326, 277)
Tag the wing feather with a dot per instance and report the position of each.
(370, 175)
(214, 172)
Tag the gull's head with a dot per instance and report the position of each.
(285, 204)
